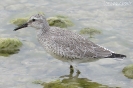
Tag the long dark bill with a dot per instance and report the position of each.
(22, 26)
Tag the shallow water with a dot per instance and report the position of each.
(33, 63)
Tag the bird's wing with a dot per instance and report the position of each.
(73, 45)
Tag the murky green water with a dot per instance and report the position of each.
(32, 63)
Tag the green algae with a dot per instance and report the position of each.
(71, 83)
(19, 21)
(128, 71)
(90, 31)
(9, 46)
(60, 21)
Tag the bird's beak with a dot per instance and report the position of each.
(22, 26)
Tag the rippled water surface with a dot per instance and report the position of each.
(33, 63)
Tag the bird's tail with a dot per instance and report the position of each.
(114, 55)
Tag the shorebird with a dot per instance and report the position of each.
(66, 45)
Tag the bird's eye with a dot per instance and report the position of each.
(33, 20)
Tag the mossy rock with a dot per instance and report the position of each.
(90, 31)
(58, 21)
(128, 71)
(19, 21)
(71, 83)
(9, 46)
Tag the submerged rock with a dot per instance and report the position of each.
(19, 21)
(90, 31)
(59, 21)
(71, 83)
(9, 46)
(128, 71)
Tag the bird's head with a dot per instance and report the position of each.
(36, 21)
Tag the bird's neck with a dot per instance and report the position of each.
(46, 27)
(43, 30)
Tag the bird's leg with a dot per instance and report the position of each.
(71, 69)
(70, 74)
(78, 72)
(76, 76)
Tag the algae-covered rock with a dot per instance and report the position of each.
(71, 83)
(9, 46)
(90, 31)
(19, 21)
(128, 71)
(58, 21)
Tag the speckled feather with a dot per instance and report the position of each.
(70, 45)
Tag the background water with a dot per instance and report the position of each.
(32, 63)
